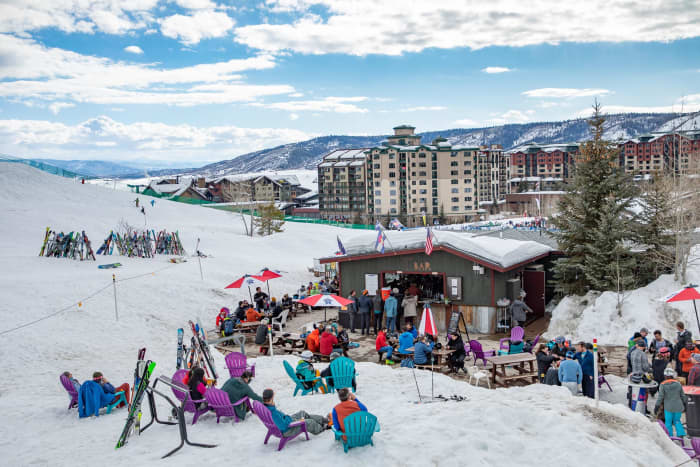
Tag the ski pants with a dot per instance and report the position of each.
(572, 386)
(588, 386)
(377, 322)
(315, 424)
(127, 392)
(364, 323)
(674, 419)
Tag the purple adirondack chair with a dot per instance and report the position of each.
(68, 385)
(467, 350)
(219, 402)
(237, 363)
(265, 417)
(190, 405)
(479, 353)
(516, 335)
(692, 451)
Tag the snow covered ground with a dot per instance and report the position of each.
(596, 315)
(535, 425)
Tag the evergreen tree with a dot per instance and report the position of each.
(655, 229)
(593, 221)
(270, 219)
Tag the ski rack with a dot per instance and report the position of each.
(237, 338)
(152, 392)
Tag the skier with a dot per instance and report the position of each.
(153, 202)
(143, 210)
(365, 306)
(570, 373)
(390, 306)
(585, 359)
(378, 306)
(544, 361)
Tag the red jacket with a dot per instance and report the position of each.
(312, 343)
(220, 319)
(328, 340)
(252, 315)
(381, 340)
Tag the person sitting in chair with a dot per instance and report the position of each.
(406, 341)
(109, 389)
(237, 389)
(422, 353)
(348, 405)
(305, 370)
(455, 360)
(328, 375)
(315, 424)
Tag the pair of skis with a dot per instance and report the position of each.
(202, 348)
(142, 375)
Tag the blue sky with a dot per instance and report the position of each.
(186, 82)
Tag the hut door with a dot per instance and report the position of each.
(533, 284)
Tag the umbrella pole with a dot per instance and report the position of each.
(268, 288)
(432, 382)
(251, 295)
(696, 314)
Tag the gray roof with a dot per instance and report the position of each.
(524, 235)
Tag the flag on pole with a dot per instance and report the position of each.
(379, 244)
(396, 224)
(341, 248)
(429, 242)
(425, 222)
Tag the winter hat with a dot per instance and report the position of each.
(559, 340)
(273, 299)
(334, 355)
(696, 357)
(569, 354)
(364, 292)
(267, 394)
(666, 351)
(644, 330)
(395, 290)
(307, 355)
(669, 372)
(224, 310)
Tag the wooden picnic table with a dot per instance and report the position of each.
(249, 326)
(517, 361)
(287, 344)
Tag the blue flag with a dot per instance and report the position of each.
(341, 248)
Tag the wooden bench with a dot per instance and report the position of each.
(517, 362)
(248, 326)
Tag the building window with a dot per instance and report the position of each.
(377, 193)
(392, 165)
(413, 164)
(392, 155)
(454, 163)
(392, 183)
(455, 208)
(377, 166)
(392, 174)
(413, 182)
(392, 192)
(423, 173)
(455, 190)
(455, 200)
(454, 173)
(468, 172)
(454, 181)
(453, 154)
(392, 201)
(467, 208)
(423, 192)
(467, 198)
(393, 210)
(377, 184)
(377, 201)
(422, 155)
(423, 182)
(422, 164)
(467, 190)
(467, 162)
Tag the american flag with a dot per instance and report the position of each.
(429, 242)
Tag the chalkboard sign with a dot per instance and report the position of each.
(453, 325)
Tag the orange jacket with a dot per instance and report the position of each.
(686, 358)
(252, 315)
(312, 341)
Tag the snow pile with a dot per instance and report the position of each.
(498, 251)
(596, 315)
(156, 297)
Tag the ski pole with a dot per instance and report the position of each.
(114, 283)
(416, 380)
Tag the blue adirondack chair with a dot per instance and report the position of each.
(342, 371)
(359, 428)
(299, 382)
(513, 349)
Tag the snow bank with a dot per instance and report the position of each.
(498, 251)
(596, 315)
(538, 424)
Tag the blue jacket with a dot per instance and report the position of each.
(405, 342)
(585, 359)
(570, 371)
(414, 331)
(421, 352)
(91, 398)
(281, 420)
(390, 307)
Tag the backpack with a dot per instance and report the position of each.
(261, 334)
(228, 327)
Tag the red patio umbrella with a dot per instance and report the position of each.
(689, 292)
(246, 279)
(325, 301)
(266, 274)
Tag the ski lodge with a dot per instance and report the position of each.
(478, 276)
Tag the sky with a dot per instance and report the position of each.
(187, 82)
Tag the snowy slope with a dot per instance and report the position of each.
(38, 430)
(595, 314)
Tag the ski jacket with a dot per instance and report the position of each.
(220, 319)
(458, 346)
(683, 338)
(655, 346)
(409, 306)
(328, 340)
(378, 303)
(352, 307)
(312, 341)
(570, 371)
(381, 341)
(237, 389)
(421, 353)
(281, 420)
(91, 398)
(518, 310)
(405, 342)
(343, 337)
(390, 307)
(259, 299)
(252, 315)
(694, 375)
(365, 304)
(658, 365)
(552, 377)
(685, 356)
(671, 395)
(344, 409)
(544, 361)
(585, 359)
(305, 370)
(639, 361)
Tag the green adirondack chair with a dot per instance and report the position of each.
(359, 428)
(299, 382)
(342, 371)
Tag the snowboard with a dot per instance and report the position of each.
(46, 239)
(109, 266)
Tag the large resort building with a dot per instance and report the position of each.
(405, 179)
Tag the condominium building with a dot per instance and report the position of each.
(494, 174)
(661, 152)
(342, 186)
(541, 166)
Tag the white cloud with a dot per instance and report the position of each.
(104, 138)
(561, 93)
(328, 104)
(496, 69)
(56, 107)
(297, 94)
(133, 49)
(201, 25)
(689, 103)
(294, 116)
(467, 123)
(424, 108)
(393, 27)
(195, 4)
(511, 116)
(30, 71)
(86, 16)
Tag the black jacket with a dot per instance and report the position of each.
(544, 361)
(458, 346)
(259, 299)
(275, 311)
(658, 365)
(240, 313)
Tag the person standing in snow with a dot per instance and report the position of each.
(559, 348)
(570, 373)
(682, 337)
(674, 400)
(518, 312)
(685, 357)
(638, 359)
(658, 366)
(390, 306)
(694, 373)
(378, 305)
(585, 359)
(315, 424)
(365, 306)
(409, 305)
